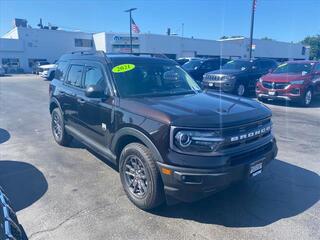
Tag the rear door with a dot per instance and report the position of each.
(71, 89)
(96, 114)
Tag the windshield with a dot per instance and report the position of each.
(152, 78)
(237, 65)
(192, 65)
(294, 68)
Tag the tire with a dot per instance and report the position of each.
(307, 98)
(141, 181)
(240, 89)
(58, 130)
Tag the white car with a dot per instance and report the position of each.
(48, 71)
(2, 71)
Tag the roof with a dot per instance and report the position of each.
(303, 61)
(100, 55)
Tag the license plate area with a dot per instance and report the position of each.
(255, 168)
(272, 93)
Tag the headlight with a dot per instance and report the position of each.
(297, 82)
(260, 80)
(189, 141)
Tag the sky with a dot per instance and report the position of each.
(283, 20)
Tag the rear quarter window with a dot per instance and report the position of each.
(61, 70)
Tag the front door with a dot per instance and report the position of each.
(96, 113)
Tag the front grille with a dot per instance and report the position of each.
(9, 221)
(274, 85)
(214, 77)
(240, 130)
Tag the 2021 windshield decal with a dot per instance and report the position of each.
(123, 68)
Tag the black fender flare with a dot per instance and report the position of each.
(129, 131)
(55, 101)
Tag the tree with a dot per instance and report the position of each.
(314, 43)
(224, 37)
(266, 38)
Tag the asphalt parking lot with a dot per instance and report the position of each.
(70, 193)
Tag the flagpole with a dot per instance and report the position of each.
(251, 28)
(130, 25)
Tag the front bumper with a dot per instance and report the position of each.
(225, 85)
(44, 74)
(292, 93)
(191, 184)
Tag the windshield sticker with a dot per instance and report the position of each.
(123, 68)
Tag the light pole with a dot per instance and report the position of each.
(254, 2)
(130, 25)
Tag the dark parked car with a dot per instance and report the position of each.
(36, 66)
(296, 81)
(198, 67)
(169, 139)
(239, 76)
(9, 224)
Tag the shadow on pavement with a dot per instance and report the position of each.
(284, 190)
(22, 182)
(4, 135)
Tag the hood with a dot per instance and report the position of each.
(48, 66)
(284, 77)
(206, 109)
(227, 72)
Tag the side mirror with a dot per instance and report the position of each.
(95, 91)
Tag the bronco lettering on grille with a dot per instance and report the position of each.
(251, 134)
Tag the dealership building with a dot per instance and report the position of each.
(23, 45)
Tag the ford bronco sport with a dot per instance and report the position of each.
(169, 139)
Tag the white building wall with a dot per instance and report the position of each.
(44, 44)
(31, 43)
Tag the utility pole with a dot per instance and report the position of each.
(130, 25)
(254, 2)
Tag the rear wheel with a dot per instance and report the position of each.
(140, 177)
(58, 130)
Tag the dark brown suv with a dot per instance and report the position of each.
(170, 139)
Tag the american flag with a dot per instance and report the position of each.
(254, 5)
(134, 27)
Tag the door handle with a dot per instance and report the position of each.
(80, 100)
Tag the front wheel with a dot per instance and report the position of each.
(240, 89)
(307, 98)
(140, 177)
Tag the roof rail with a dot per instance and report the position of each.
(89, 52)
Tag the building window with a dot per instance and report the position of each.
(303, 52)
(10, 62)
(78, 42)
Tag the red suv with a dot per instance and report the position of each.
(295, 81)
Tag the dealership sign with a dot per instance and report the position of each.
(117, 38)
